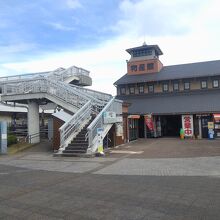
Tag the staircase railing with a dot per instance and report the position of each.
(113, 105)
(95, 94)
(72, 127)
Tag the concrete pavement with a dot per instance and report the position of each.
(36, 185)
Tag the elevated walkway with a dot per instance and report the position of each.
(86, 106)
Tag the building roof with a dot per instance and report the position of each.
(62, 115)
(175, 103)
(145, 46)
(181, 71)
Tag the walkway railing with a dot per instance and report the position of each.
(60, 73)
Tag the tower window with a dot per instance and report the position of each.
(204, 84)
(141, 53)
(131, 89)
(134, 68)
(141, 67)
(150, 66)
(123, 91)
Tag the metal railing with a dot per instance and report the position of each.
(95, 94)
(87, 101)
(72, 127)
(54, 88)
(60, 73)
(113, 105)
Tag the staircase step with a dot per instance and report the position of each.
(75, 151)
(76, 148)
(78, 145)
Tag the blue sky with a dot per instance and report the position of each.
(46, 34)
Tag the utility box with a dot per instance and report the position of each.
(3, 137)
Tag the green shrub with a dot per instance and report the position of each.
(12, 139)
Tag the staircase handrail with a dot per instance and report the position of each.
(98, 122)
(92, 93)
(74, 124)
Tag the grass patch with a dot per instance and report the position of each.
(15, 148)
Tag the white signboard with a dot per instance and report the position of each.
(109, 117)
(187, 124)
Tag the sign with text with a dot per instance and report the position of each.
(110, 117)
(187, 123)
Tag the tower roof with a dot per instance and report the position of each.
(145, 46)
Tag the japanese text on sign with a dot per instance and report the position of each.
(187, 123)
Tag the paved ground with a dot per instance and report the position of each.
(135, 183)
(171, 148)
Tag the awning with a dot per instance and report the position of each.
(134, 116)
(216, 117)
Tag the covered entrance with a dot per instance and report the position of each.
(170, 125)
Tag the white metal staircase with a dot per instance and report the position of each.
(83, 103)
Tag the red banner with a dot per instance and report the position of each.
(149, 122)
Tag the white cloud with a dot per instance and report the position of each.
(156, 18)
(59, 26)
(107, 61)
(73, 4)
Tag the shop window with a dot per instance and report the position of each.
(122, 91)
(134, 68)
(176, 86)
(131, 90)
(150, 66)
(215, 83)
(141, 67)
(141, 89)
(165, 87)
(203, 84)
(150, 88)
(186, 86)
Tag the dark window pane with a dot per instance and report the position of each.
(134, 68)
(150, 66)
(141, 67)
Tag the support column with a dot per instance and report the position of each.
(200, 128)
(33, 122)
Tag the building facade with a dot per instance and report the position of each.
(165, 99)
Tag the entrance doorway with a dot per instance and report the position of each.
(170, 125)
(141, 125)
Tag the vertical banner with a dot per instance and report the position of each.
(187, 124)
(149, 122)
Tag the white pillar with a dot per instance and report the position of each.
(200, 128)
(33, 122)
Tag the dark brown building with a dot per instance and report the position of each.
(164, 99)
